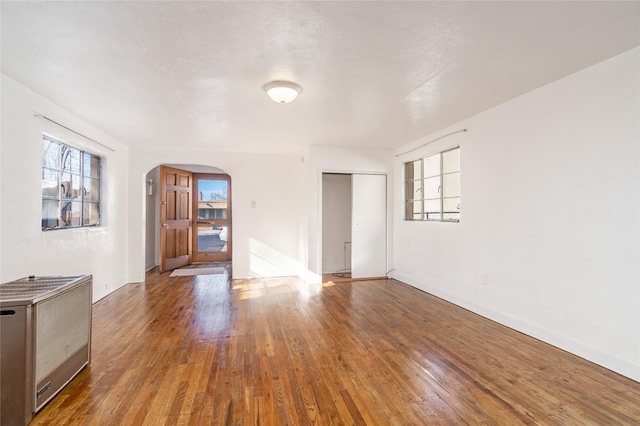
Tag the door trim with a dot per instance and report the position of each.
(316, 241)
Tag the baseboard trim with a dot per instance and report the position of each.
(583, 350)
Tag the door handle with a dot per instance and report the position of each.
(165, 225)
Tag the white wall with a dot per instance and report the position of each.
(1, 139)
(549, 239)
(336, 222)
(336, 160)
(266, 239)
(152, 206)
(25, 249)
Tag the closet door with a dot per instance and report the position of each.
(368, 226)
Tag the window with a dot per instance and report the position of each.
(432, 187)
(70, 186)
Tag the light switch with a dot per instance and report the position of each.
(253, 204)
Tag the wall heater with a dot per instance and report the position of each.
(45, 340)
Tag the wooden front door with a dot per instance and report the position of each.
(212, 214)
(175, 218)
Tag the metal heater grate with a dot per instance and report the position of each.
(45, 338)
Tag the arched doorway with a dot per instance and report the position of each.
(188, 216)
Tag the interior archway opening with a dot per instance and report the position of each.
(188, 217)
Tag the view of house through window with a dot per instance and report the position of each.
(212, 213)
(70, 186)
(432, 187)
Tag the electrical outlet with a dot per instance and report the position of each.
(485, 279)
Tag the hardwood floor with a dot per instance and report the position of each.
(343, 278)
(200, 350)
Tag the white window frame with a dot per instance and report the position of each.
(415, 188)
(60, 196)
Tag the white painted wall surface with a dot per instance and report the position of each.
(336, 222)
(152, 220)
(266, 238)
(1, 138)
(549, 237)
(25, 249)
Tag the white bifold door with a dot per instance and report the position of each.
(368, 226)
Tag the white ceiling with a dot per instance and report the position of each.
(374, 74)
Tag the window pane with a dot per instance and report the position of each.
(50, 154)
(432, 210)
(212, 190)
(91, 166)
(70, 213)
(212, 199)
(413, 170)
(70, 186)
(212, 210)
(91, 189)
(432, 165)
(431, 187)
(70, 159)
(212, 239)
(50, 211)
(451, 209)
(451, 185)
(413, 190)
(50, 184)
(451, 161)
(413, 210)
(91, 214)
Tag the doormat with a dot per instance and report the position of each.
(185, 272)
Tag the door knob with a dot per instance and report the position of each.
(165, 225)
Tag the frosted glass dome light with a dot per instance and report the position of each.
(282, 92)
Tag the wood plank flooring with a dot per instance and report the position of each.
(205, 351)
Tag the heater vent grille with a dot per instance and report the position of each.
(63, 328)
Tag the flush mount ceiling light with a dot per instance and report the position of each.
(282, 92)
